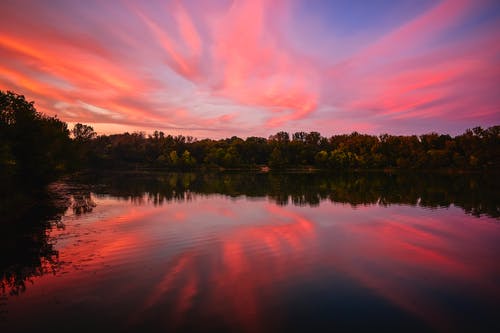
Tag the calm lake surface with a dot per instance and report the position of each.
(253, 253)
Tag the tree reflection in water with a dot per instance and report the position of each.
(476, 194)
(29, 251)
(29, 216)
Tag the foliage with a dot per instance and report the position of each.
(83, 133)
(32, 144)
(475, 149)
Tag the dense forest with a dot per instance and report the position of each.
(34, 145)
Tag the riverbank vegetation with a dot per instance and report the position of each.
(37, 146)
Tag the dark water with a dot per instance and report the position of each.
(252, 253)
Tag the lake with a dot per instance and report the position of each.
(250, 252)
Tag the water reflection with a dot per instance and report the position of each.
(476, 194)
(28, 215)
(288, 253)
(25, 246)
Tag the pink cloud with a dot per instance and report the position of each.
(141, 68)
(443, 82)
(188, 30)
(177, 61)
(255, 65)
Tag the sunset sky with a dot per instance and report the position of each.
(220, 68)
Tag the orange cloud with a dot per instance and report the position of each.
(240, 67)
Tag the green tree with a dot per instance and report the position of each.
(277, 160)
(187, 161)
(321, 158)
(173, 159)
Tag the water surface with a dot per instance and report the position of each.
(254, 253)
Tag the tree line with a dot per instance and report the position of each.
(32, 144)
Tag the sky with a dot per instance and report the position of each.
(219, 68)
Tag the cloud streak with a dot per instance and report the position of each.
(222, 68)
